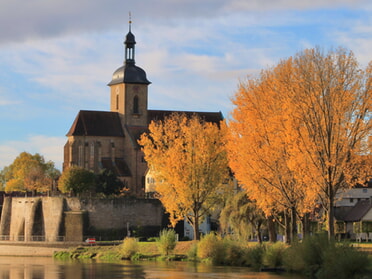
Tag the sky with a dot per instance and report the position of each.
(57, 56)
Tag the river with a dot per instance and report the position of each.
(49, 268)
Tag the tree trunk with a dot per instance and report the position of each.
(259, 236)
(305, 225)
(287, 228)
(294, 237)
(196, 228)
(271, 228)
(331, 227)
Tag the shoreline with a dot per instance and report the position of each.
(31, 249)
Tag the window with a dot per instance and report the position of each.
(117, 101)
(135, 105)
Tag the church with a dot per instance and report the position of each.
(108, 139)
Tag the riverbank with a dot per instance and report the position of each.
(33, 249)
(44, 249)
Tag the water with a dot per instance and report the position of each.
(49, 268)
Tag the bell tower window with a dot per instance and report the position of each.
(117, 101)
(135, 105)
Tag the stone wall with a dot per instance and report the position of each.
(49, 218)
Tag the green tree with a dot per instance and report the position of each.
(29, 173)
(242, 216)
(108, 183)
(76, 180)
(188, 159)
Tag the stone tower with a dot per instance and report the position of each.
(128, 88)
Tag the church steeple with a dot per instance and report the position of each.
(129, 88)
(130, 41)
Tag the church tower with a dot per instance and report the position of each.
(128, 88)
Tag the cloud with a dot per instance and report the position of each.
(49, 147)
(44, 19)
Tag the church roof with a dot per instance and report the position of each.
(214, 117)
(129, 73)
(96, 123)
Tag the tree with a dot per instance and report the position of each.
(316, 108)
(29, 173)
(240, 214)
(108, 183)
(188, 158)
(264, 151)
(76, 180)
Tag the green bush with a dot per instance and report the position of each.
(210, 249)
(192, 253)
(273, 254)
(166, 242)
(343, 262)
(233, 253)
(129, 247)
(254, 256)
(293, 260)
(319, 258)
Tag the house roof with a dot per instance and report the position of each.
(96, 123)
(358, 211)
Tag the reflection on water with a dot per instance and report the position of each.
(48, 268)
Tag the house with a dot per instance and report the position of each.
(108, 139)
(353, 212)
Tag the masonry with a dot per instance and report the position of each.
(53, 219)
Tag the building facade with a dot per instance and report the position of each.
(108, 139)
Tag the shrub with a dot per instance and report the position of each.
(233, 253)
(254, 256)
(129, 247)
(192, 253)
(166, 242)
(343, 262)
(319, 258)
(273, 254)
(210, 248)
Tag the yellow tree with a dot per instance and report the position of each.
(333, 98)
(188, 158)
(263, 149)
(303, 126)
(29, 173)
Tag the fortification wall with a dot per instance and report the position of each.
(117, 213)
(27, 218)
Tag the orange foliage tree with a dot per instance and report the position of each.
(29, 173)
(264, 150)
(296, 130)
(189, 163)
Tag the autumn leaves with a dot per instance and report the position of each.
(298, 133)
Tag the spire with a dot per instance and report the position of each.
(130, 41)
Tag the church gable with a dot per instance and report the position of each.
(96, 123)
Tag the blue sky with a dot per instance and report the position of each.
(56, 57)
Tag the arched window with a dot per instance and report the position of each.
(117, 101)
(135, 105)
